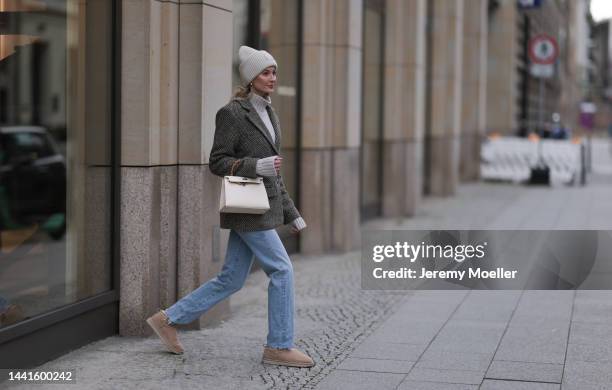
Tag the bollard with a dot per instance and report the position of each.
(582, 165)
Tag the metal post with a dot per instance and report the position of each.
(582, 164)
(541, 121)
(589, 160)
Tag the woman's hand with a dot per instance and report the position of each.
(278, 161)
(297, 225)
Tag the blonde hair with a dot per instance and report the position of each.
(242, 92)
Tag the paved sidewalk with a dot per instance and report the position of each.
(496, 340)
(397, 340)
(333, 315)
(488, 340)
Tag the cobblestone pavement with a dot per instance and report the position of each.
(333, 315)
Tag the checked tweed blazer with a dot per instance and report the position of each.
(241, 134)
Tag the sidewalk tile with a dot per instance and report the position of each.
(601, 353)
(376, 365)
(587, 375)
(455, 360)
(591, 333)
(532, 372)
(492, 384)
(448, 376)
(594, 311)
(405, 332)
(359, 380)
(468, 337)
(395, 351)
(524, 343)
(415, 385)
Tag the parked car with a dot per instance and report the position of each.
(32, 180)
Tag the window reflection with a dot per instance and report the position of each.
(55, 166)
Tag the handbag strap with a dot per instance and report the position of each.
(234, 165)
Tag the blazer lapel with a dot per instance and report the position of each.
(276, 125)
(253, 117)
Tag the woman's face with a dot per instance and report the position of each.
(265, 82)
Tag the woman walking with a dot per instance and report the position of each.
(247, 143)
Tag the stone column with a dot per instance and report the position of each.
(474, 87)
(149, 129)
(205, 65)
(404, 108)
(502, 91)
(446, 74)
(170, 241)
(331, 124)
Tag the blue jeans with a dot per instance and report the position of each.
(273, 259)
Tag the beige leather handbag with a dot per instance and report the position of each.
(243, 194)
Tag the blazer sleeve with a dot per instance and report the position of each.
(223, 152)
(290, 212)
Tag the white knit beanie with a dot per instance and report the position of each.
(253, 62)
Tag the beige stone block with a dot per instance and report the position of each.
(317, 109)
(394, 34)
(393, 103)
(154, 45)
(408, 102)
(339, 89)
(191, 94)
(444, 165)
(216, 70)
(319, 20)
(471, 59)
(165, 55)
(442, 107)
(413, 177)
(282, 23)
(355, 24)
(394, 177)
(354, 96)
(418, 131)
(412, 25)
(469, 166)
(315, 201)
(472, 15)
(149, 83)
(347, 22)
(443, 61)
(135, 88)
(345, 200)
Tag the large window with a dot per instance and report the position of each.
(55, 154)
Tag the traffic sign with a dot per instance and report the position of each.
(543, 49)
(545, 71)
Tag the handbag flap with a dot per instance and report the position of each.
(243, 180)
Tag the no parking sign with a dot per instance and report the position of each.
(543, 52)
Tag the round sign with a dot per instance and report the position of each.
(543, 49)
